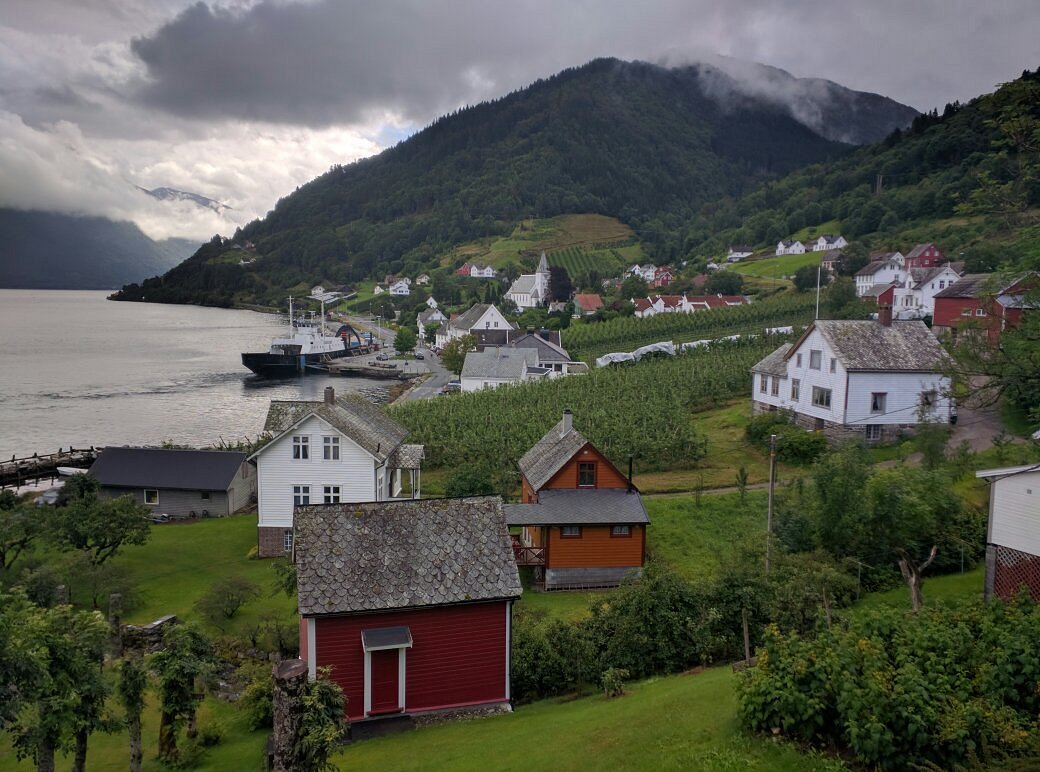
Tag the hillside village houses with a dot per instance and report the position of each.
(531, 290)
(645, 272)
(482, 316)
(428, 317)
(790, 248)
(984, 305)
(516, 356)
(851, 378)
(339, 450)
(681, 304)
(739, 251)
(401, 288)
(827, 242)
(431, 302)
(476, 271)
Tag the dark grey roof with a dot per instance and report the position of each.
(524, 285)
(971, 285)
(868, 345)
(873, 267)
(402, 554)
(499, 362)
(466, 320)
(550, 453)
(203, 470)
(580, 507)
(775, 363)
(875, 290)
(547, 350)
(406, 457)
(353, 415)
(918, 250)
(425, 316)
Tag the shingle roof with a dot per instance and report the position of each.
(469, 318)
(402, 554)
(546, 349)
(353, 415)
(524, 285)
(868, 345)
(498, 362)
(203, 470)
(876, 290)
(550, 453)
(580, 507)
(918, 250)
(873, 267)
(425, 316)
(406, 457)
(588, 301)
(774, 363)
(970, 285)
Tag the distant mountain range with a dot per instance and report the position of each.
(647, 144)
(46, 250)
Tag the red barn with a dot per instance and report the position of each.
(583, 522)
(409, 603)
(978, 304)
(463, 270)
(924, 256)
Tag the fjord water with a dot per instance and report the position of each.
(77, 369)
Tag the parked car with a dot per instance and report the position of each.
(419, 355)
(382, 357)
(451, 387)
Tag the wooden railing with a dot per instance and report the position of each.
(529, 556)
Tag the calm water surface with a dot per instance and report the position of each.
(76, 369)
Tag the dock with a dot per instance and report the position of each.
(358, 369)
(19, 471)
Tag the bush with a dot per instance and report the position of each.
(223, 600)
(762, 425)
(258, 695)
(795, 445)
(613, 681)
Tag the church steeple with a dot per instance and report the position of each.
(543, 265)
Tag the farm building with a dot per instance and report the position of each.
(409, 603)
(583, 523)
(983, 305)
(1013, 534)
(175, 482)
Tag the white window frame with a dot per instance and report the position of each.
(818, 393)
(287, 540)
(151, 497)
(796, 389)
(775, 390)
(301, 447)
(764, 385)
(878, 402)
(815, 359)
(873, 432)
(834, 365)
(330, 448)
(798, 360)
(980, 312)
(331, 494)
(621, 531)
(301, 495)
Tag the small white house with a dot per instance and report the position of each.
(887, 270)
(827, 242)
(852, 378)
(1013, 534)
(422, 280)
(499, 365)
(430, 302)
(482, 271)
(333, 451)
(401, 288)
(738, 252)
(483, 316)
(915, 298)
(790, 248)
(428, 317)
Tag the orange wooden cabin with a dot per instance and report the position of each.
(583, 523)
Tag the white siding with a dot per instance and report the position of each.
(902, 397)
(278, 472)
(1015, 508)
(809, 377)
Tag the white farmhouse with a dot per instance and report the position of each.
(853, 378)
(886, 270)
(482, 316)
(333, 451)
(827, 242)
(482, 271)
(499, 365)
(790, 248)
(646, 272)
(739, 251)
(915, 298)
(531, 289)
(426, 318)
(1013, 534)
(401, 288)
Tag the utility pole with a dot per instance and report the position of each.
(819, 277)
(769, 510)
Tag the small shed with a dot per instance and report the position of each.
(409, 603)
(178, 482)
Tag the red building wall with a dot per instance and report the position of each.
(458, 655)
(606, 475)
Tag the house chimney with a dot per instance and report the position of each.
(567, 415)
(330, 395)
(885, 315)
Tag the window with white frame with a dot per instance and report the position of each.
(776, 387)
(151, 496)
(821, 397)
(980, 312)
(570, 531)
(798, 360)
(301, 495)
(621, 531)
(816, 359)
(301, 447)
(873, 432)
(287, 540)
(878, 400)
(834, 365)
(332, 494)
(796, 386)
(330, 448)
(762, 386)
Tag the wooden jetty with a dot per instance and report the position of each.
(18, 471)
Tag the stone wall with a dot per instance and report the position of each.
(271, 541)
(147, 638)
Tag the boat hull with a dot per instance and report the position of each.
(287, 365)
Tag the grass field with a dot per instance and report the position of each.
(776, 267)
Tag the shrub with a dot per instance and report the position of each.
(762, 425)
(613, 681)
(258, 695)
(795, 445)
(223, 600)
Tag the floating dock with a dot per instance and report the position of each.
(19, 471)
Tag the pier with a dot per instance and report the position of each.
(19, 471)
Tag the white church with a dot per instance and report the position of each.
(531, 289)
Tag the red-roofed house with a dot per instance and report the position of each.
(588, 303)
(979, 303)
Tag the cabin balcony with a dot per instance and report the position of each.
(528, 556)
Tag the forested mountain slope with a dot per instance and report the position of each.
(643, 143)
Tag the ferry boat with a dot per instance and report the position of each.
(307, 343)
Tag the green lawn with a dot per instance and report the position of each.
(684, 722)
(776, 267)
(951, 589)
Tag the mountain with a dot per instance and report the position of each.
(46, 250)
(646, 144)
(172, 194)
(968, 179)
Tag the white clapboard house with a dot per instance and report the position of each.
(338, 450)
(852, 378)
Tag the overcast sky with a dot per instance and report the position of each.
(243, 101)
